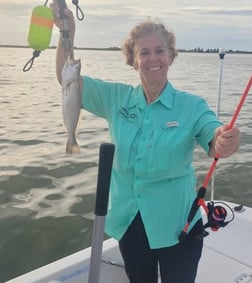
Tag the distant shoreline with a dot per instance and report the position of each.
(194, 50)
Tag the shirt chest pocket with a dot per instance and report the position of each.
(171, 152)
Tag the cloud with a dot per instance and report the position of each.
(108, 22)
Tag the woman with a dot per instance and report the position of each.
(154, 128)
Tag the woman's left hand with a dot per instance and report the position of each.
(226, 141)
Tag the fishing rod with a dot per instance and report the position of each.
(221, 57)
(199, 200)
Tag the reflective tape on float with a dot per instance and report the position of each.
(41, 26)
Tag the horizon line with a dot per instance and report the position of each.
(114, 48)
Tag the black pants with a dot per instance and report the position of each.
(177, 264)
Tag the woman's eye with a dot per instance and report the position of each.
(143, 53)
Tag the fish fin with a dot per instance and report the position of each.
(79, 121)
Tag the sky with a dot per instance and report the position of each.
(206, 24)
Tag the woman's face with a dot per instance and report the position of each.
(152, 59)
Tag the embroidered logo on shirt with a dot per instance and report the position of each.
(172, 124)
(124, 113)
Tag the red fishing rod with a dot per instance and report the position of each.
(199, 200)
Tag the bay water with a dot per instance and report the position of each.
(47, 197)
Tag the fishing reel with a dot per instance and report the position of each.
(217, 214)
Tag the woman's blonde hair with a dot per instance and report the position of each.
(144, 28)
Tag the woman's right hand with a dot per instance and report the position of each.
(61, 54)
(58, 22)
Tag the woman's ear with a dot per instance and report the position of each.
(171, 60)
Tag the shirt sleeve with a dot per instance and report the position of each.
(206, 125)
(95, 96)
(102, 97)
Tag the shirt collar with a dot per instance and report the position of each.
(166, 97)
(137, 98)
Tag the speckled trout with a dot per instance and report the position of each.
(71, 102)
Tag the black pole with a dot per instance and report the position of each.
(101, 205)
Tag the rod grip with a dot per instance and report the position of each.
(104, 174)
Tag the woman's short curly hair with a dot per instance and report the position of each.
(144, 28)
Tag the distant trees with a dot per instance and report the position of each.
(213, 50)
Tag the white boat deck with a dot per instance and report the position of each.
(227, 258)
(227, 253)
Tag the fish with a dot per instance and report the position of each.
(71, 102)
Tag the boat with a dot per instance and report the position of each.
(226, 258)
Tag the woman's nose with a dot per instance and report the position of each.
(153, 55)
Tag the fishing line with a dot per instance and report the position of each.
(199, 200)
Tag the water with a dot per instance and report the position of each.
(47, 197)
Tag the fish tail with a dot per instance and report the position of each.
(72, 148)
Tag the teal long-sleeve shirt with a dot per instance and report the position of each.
(154, 143)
